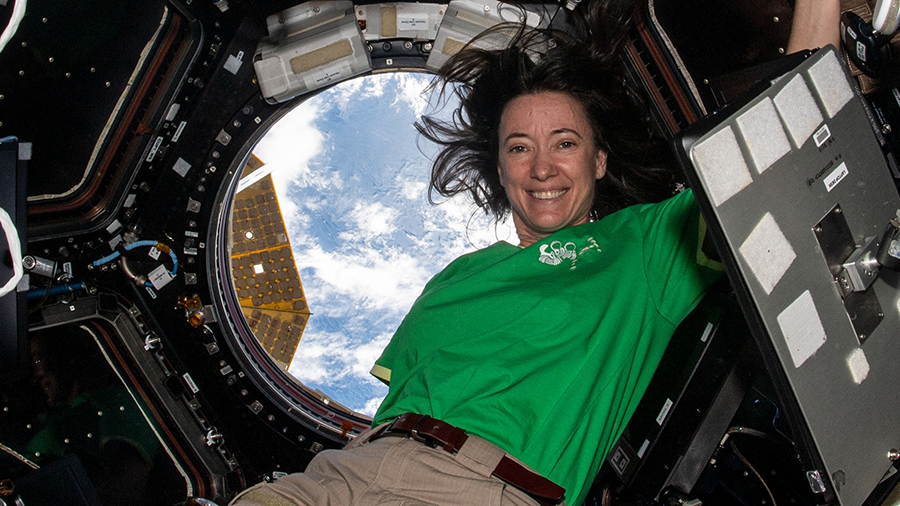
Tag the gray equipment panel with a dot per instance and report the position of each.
(787, 176)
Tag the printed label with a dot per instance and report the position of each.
(190, 382)
(822, 135)
(160, 277)
(706, 332)
(664, 411)
(178, 131)
(643, 448)
(154, 149)
(329, 76)
(410, 23)
(836, 176)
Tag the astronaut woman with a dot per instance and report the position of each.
(519, 365)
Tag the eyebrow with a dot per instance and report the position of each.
(557, 131)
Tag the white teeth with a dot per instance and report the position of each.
(547, 194)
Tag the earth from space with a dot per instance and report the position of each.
(351, 174)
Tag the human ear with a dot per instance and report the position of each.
(601, 163)
(502, 175)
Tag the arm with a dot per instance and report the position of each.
(816, 24)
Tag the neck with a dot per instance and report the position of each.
(526, 239)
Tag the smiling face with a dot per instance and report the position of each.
(548, 163)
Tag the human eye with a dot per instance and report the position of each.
(567, 144)
(518, 148)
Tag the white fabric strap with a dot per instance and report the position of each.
(15, 251)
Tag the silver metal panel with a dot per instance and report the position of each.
(847, 387)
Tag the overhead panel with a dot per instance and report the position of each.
(464, 20)
(310, 46)
(414, 21)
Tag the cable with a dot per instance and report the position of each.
(17, 14)
(140, 244)
(15, 250)
(740, 456)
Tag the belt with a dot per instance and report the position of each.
(434, 432)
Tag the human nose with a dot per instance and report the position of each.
(543, 166)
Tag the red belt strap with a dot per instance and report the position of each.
(434, 432)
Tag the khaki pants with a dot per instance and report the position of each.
(393, 471)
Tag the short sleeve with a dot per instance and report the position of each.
(677, 270)
(383, 366)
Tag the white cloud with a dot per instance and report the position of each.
(371, 220)
(382, 280)
(372, 406)
(410, 89)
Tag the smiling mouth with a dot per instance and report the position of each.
(547, 195)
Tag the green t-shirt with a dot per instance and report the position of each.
(545, 351)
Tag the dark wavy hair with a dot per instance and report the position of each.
(639, 164)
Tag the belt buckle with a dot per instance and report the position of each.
(424, 439)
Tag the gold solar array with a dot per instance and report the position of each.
(263, 269)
